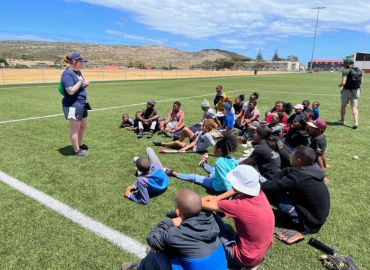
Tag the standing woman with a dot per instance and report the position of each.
(74, 101)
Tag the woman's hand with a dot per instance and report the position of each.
(85, 83)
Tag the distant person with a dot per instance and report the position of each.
(147, 119)
(351, 83)
(74, 101)
(151, 179)
(188, 241)
(218, 94)
(306, 106)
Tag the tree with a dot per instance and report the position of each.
(276, 56)
(292, 58)
(259, 57)
(3, 61)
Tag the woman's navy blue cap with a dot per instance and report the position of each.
(77, 56)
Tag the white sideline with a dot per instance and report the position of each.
(172, 99)
(122, 241)
(110, 108)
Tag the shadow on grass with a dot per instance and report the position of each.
(66, 150)
(336, 124)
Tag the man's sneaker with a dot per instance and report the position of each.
(84, 147)
(355, 126)
(150, 134)
(160, 132)
(81, 153)
(339, 122)
(157, 143)
(135, 158)
(129, 266)
(140, 133)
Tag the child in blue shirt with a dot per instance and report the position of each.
(217, 175)
(151, 179)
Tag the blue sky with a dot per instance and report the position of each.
(242, 26)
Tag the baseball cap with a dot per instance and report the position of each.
(151, 102)
(348, 61)
(227, 106)
(319, 123)
(245, 179)
(205, 104)
(298, 106)
(77, 56)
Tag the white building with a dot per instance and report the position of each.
(362, 61)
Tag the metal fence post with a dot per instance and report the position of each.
(43, 74)
(2, 73)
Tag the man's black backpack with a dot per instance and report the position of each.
(353, 78)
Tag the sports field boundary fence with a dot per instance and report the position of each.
(47, 75)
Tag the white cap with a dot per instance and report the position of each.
(245, 179)
(298, 106)
(205, 104)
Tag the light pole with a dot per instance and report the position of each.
(314, 37)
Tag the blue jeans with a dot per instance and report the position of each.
(155, 260)
(201, 180)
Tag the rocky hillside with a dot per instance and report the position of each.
(26, 52)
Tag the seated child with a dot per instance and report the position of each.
(318, 140)
(252, 215)
(300, 191)
(127, 122)
(175, 121)
(151, 179)
(192, 236)
(217, 176)
(315, 110)
(199, 141)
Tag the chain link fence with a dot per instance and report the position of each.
(48, 75)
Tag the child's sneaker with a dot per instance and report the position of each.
(204, 160)
(339, 122)
(157, 143)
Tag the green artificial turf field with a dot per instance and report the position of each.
(37, 152)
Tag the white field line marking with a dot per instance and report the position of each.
(122, 241)
(172, 99)
(110, 108)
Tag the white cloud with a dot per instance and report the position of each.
(244, 18)
(367, 28)
(134, 37)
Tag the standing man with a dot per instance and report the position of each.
(351, 83)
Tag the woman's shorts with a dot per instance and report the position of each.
(74, 113)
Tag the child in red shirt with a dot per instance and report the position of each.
(252, 214)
